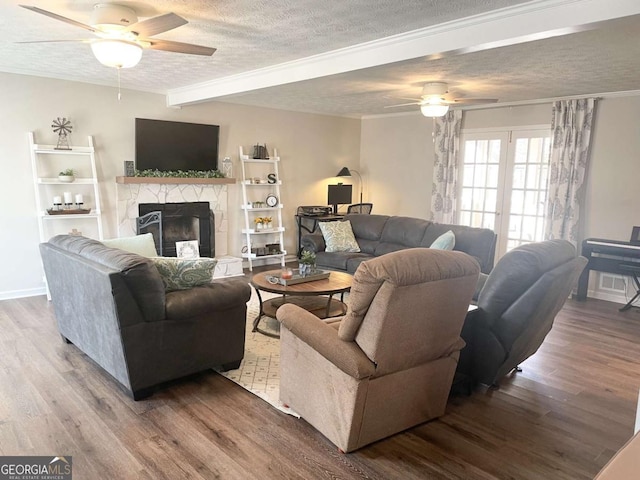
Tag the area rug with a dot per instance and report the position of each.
(259, 371)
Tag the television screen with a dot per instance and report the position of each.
(163, 145)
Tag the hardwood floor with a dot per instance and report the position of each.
(563, 417)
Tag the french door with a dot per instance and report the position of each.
(503, 184)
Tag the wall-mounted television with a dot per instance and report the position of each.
(163, 145)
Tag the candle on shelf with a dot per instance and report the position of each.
(79, 199)
(67, 197)
(57, 200)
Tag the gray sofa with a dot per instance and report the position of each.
(380, 234)
(112, 305)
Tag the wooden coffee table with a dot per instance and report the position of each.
(308, 295)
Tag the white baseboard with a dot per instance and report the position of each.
(609, 297)
(29, 292)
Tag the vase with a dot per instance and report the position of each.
(259, 226)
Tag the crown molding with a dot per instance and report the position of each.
(531, 21)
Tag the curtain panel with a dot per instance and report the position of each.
(571, 125)
(444, 190)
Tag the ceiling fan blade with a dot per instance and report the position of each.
(402, 105)
(178, 47)
(59, 17)
(155, 25)
(472, 101)
(403, 98)
(79, 40)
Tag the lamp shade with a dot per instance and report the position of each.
(434, 109)
(344, 172)
(117, 53)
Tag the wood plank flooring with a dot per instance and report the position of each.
(563, 417)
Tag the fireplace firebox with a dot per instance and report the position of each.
(181, 222)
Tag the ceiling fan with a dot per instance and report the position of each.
(120, 37)
(433, 102)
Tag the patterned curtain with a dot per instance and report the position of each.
(571, 129)
(445, 169)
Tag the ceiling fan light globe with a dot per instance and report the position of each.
(434, 109)
(117, 53)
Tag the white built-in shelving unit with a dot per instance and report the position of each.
(46, 162)
(261, 179)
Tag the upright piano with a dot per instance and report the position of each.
(612, 256)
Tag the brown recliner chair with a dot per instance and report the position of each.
(388, 364)
(516, 308)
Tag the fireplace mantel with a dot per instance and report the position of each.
(175, 180)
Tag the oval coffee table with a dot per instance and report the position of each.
(308, 295)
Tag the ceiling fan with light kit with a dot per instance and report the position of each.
(121, 38)
(434, 104)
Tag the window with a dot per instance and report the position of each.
(503, 184)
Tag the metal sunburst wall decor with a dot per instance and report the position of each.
(62, 127)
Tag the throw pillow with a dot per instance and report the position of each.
(184, 273)
(140, 244)
(338, 237)
(446, 241)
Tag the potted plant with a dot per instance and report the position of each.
(307, 263)
(259, 221)
(67, 175)
(267, 222)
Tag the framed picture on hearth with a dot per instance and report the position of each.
(188, 249)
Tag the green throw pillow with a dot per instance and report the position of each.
(446, 241)
(184, 273)
(338, 237)
(140, 244)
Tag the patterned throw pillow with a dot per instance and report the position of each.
(338, 237)
(446, 241)
(184, 273)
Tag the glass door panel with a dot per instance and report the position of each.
(480, 181)
(505, 172)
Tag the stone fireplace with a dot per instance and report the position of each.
(180, 222)
(132, 191)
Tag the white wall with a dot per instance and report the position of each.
(312, 148)
(397, 162)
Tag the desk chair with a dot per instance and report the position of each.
(364, 208)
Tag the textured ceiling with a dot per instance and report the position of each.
(590, 62)
(252, 34)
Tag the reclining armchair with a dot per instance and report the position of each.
(112, 305)
(388, 364)
(516, 308)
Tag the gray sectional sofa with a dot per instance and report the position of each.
(380, 234)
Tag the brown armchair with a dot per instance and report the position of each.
(388, 364)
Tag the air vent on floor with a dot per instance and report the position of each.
(612, 283)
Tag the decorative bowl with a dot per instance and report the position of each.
(66, 178)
